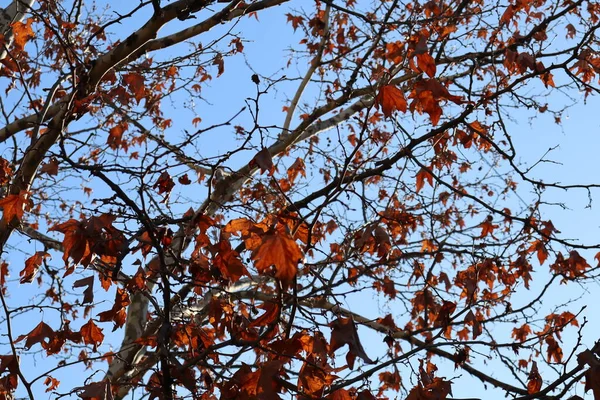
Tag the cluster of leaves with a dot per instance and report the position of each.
(255, 255)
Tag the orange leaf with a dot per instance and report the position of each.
(278, 249)
(487, 228)
(22, 33)
(390, 99)
(15, 205)
(422, 176)
(91, 334)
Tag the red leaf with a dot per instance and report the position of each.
(32, 265)
(390, 99)
(91, 334)
(426, 64)
(136, 85)
(14, 206)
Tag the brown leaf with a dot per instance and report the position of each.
(426, 64)
(32, 265)
(340, 394)
(164, 184)
(534, 384)
(264, 161)
(96, 391)
(39, 334)
(75, 242)
(88, 293)
(118, 312)
(422, 176)
(554, 350)
(344, 332)
(313, 379)
(91, 334)
(592, 381)
(272, 312)
(51, 167)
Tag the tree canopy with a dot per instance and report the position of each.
(275, 199)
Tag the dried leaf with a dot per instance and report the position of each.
(390, 99)
(14, 206)
(264, 161)
(39, 334)
(32, 265)
(88, 293)
(91, 334)
(278, 249)
(344, 332)
(136, 84)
